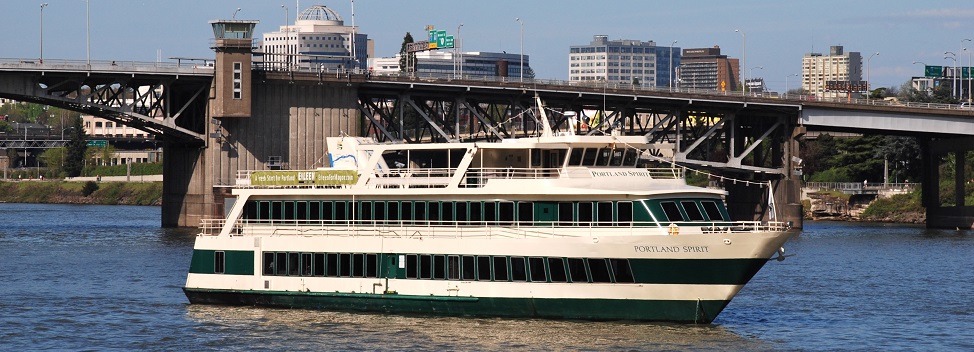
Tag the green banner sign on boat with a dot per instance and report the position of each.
(308, 177)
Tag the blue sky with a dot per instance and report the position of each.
(778, 33)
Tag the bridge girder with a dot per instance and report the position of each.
(707, 135)
(170, 106)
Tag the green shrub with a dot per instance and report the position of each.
(89, 188)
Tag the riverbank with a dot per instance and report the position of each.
(75, 192)
(898, 208)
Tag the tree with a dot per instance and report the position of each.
(903, 154)
(74, 161)
(53, 159)
(407, 60)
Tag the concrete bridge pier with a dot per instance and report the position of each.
(945, 202)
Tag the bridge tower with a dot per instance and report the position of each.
(234, 43)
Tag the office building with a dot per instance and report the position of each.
(838, 66)
(318, 39)
(444, 63)
(623, 61)
(707, 68)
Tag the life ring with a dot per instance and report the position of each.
(674, 230)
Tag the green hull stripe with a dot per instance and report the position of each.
(688, 311)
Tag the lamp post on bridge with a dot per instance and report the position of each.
(88, 30)
(924, 66)
(953, 86)
(751, 72)
(867, 75)
(42, 32)
(459, 55)
(786, 81)
(743, 57)
(968, 70)
(671, 64)
(518, 19)
(287, 38)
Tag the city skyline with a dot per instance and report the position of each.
(777, 35)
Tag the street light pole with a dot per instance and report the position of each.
(671, 64)
(459, 55)
(953, 86)
(518, 19)
(287, 38)
(968, 71)
(786, 81)
(751, 71)
(867, 75)
(743, 57)
(88, 29)
(42, 32)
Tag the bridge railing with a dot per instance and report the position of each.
(615, 87)
(104, 66)
(859, 187)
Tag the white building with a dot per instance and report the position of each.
(448, 63)
(818, 69)
(318, 39)
(97, 127)
(623, 61)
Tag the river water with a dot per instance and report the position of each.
(108, 278)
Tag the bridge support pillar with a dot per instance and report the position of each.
(750, 201)
(945, 202)
(187, 192)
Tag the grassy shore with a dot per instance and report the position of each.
(61, 192)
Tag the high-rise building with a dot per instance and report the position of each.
(707, 68)
(623, 61)
(318, 39)
(818, 70)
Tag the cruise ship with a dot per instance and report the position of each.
(591, 227)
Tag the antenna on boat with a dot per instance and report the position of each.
(546, 127)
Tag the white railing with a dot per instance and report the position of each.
(488, 229)
(105, 66)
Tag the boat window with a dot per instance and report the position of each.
(453, 267)
(605, 154)
(604, 212)
(276, 211)
(314, 211)
(292, 264)
(364, 212)
(599, 270)
(468, 268)
(483, 268)
(302, 210)
(419, 213)
(371, 265)
(575, 158)
(556, 270)
(576, 270)
(280, 264)
(305, 264)
(461, 208)
(672, 211)
(379, 212)
(392, 212)
(588, 159)
(518, 269)
(585, 213)
(490, 213)
(537, 269)
(500, 269)
(621, 270)
(326, 211)
(341, 211)
(447, 209)
(565, 214)
(332, 267)
(535, 157)
(358, 265)
(318, 264)
(411, 266)
(264, 210)
(288, 210)
(693, 212)
(250, 210)
(345, 265)
(713, 212)
(406, 209)
(433, 213)
(439, 267)
(617, 156)
(506, 213)
(219, 262)
(476, 213)
(525, 213)
(268, 263)
(632, 155)
(426, 266)
(624, 213)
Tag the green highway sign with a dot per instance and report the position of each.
(98, 143)
(933, 71)
(439, 39)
